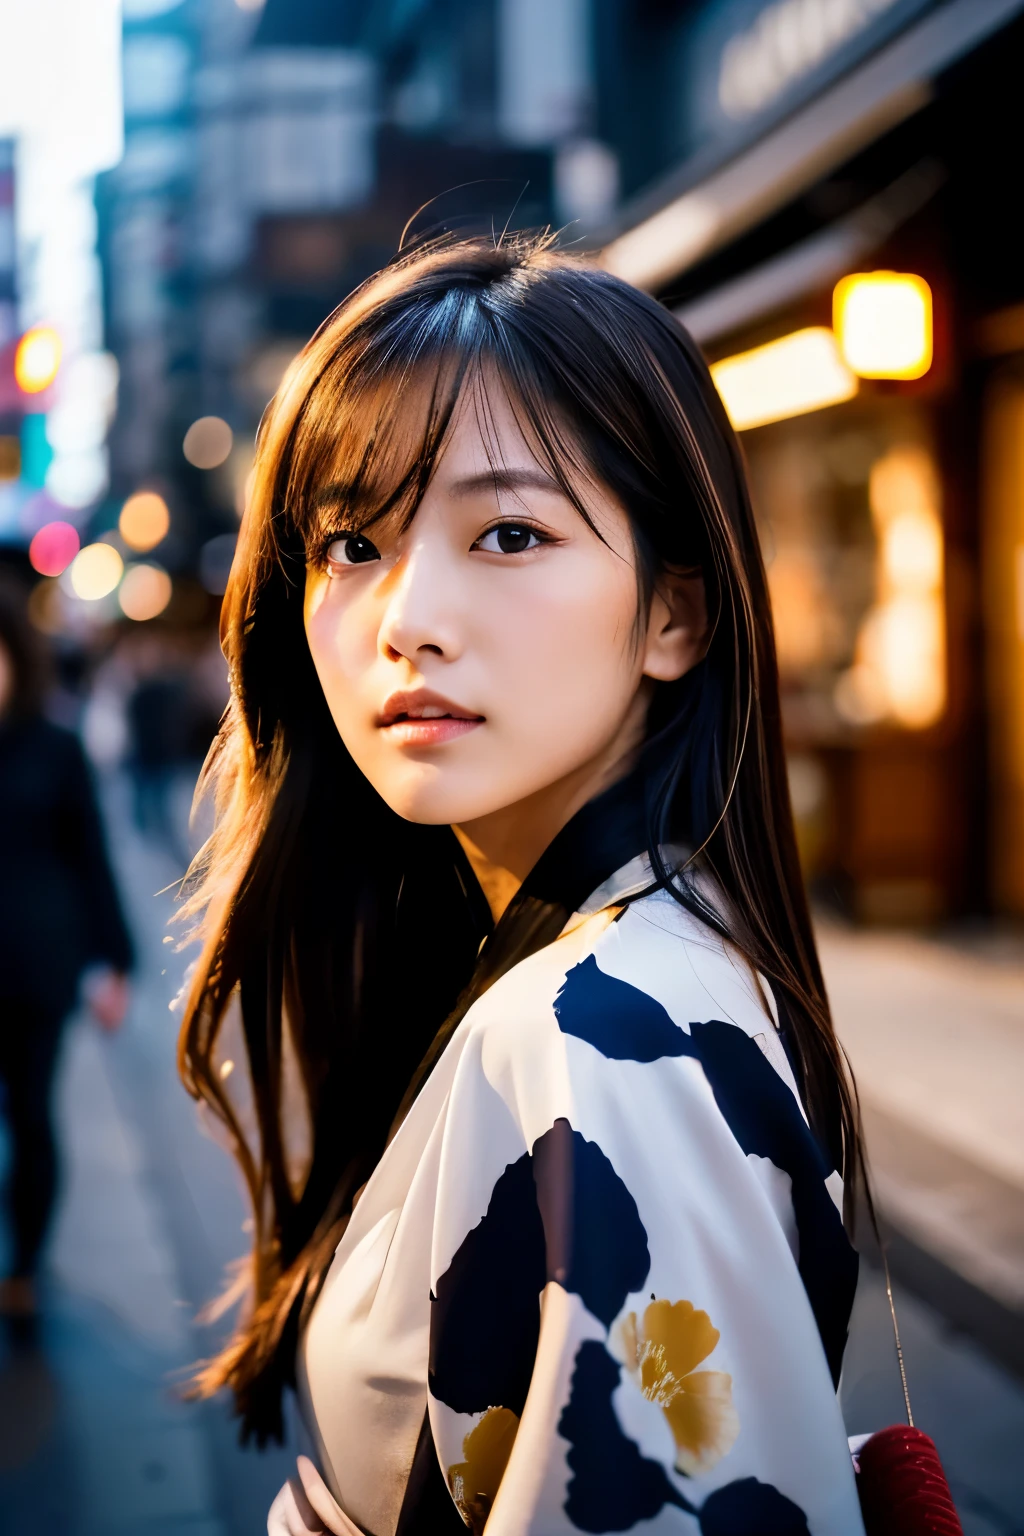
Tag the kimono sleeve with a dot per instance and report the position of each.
(635, 1253)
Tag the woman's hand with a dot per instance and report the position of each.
(108, 996)
(306, 1507)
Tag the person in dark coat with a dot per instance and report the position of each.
(59, 915)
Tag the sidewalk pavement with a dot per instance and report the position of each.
(92, 1441)
(935, 1035)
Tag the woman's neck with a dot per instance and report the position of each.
(503, 846)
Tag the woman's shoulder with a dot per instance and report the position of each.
(659, 947)
(629, 984)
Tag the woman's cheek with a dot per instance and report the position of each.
(574, 670)
(316, 618)
(327, 625)
(313, 601)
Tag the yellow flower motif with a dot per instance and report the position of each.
(474, 1482)
(662, 1354)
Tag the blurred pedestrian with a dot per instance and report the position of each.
(59, 916)
(158, 716)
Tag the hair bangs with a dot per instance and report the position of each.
(370, 431)
(365, 445)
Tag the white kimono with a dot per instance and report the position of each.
(603, 1253)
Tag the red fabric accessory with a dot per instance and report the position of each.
(900, 1482)
(902, 1487)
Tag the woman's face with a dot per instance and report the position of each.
(489, 651)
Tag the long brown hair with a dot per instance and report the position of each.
(317, 901)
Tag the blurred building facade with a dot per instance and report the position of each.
(273, 157)
(740, 159)
(822, 142)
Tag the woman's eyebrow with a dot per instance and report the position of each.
(333, 495)
(505, 480)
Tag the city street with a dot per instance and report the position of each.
(283, 278)
(95, 1441)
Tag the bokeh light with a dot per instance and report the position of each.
(78, 479)
(799, 372)
(37, 359)
(145, 592)
(96, 571)
(884, 324)
(53, 548)
(899, 670)
(207, 442)
(144, 520)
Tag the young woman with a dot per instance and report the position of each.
(509, 998)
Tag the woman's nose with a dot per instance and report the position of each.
(420, 616)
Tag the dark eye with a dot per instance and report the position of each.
(352, 549)
(508, 539)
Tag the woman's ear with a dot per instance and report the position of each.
(677, 629)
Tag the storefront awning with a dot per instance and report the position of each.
(814, 263)
(891, 86)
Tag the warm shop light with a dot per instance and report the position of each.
(37, 359)
(900, 667)
(96, 571)
(207, 442)
(144, 520)
(884, 324)
(144, 593)
(903, 645)
(798, 373)
(911, 553)
(53, 548)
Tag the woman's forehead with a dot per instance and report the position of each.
(490, 436)
(388, 442)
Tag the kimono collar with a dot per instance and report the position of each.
(628, 881)
(605, 841)
(605, 837)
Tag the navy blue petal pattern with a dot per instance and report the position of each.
(748, 1506)
(612, 1486)
(560, 1214)
(764, 1117)
(595, 1241)
(485, 1315)
(627, 1024)
(617, 1019)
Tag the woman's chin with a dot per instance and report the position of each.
(439, 799)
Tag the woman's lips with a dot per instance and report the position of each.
(420, 718)
(409, 732)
